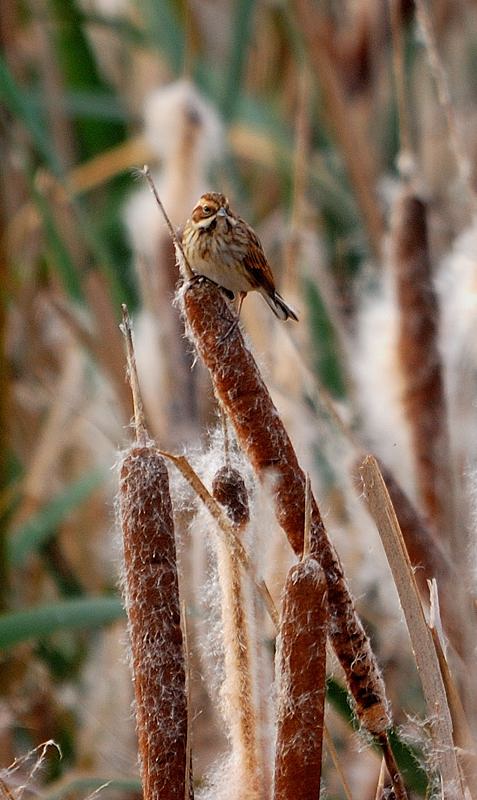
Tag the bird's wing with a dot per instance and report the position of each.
(255, 262)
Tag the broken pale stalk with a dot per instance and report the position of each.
(382, 511)
(188, 273)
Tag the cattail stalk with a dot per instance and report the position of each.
(424, 396)
(261, 434)
(152, 602)
(301, 672)
(229, 490)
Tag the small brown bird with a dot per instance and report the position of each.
(224, 248)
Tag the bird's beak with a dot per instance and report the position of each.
(221, 212)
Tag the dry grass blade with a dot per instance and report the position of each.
(82, 178)
(226, 528)
(426, 554)
(382, 511)
(463, 738)
(301, 673)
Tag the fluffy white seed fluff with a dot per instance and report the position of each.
(374, 363)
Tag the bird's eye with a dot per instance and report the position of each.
(206, 209)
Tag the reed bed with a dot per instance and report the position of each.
(286, 598)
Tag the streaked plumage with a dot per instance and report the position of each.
(224, 248)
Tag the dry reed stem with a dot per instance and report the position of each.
(425, 552)
(330, 746)
(398, 789)
(229, 490)
(151, 590)
(353, 147)
(424, 397)
(261, 434)
(301, 673)
(383, 513)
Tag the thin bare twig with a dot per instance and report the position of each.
(139, 420)
(189, 274)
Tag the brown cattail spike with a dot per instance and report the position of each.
(424, 395)
(152, 603)
(262, 436)
(301, 672)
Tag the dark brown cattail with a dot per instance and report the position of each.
(229, 490)
(152, 603)
(424, 397)
(261, 434)
(301, 672)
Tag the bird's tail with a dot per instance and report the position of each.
(278, 305)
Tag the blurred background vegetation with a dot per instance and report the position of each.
(311, 116)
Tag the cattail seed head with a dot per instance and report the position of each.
(229, 490)
(152, 603)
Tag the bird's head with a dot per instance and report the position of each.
(211, 206)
